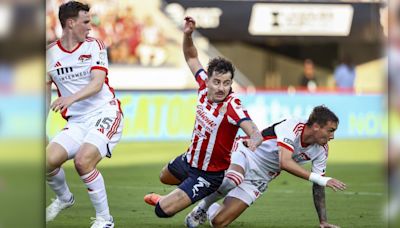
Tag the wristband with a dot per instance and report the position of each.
(318, 179)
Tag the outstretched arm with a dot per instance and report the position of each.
(288, 164)
(189, 50)
(319, 202)
(320, 207)
(252, 131)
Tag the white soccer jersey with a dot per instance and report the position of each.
(287, 134)
(215, 129)
(71, 71)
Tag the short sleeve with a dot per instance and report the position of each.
(201, 77)
(285, 134)
(319, 163)
(236, 112)
(99, 56)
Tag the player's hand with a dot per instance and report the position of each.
(249, 143)
(327, 225)
(61, 104)
(336, 185)
(190, 25)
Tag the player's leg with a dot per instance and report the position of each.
(97, 145)
(233, 177)
(198, 185)
(222, 216)
(56, 155)
(235, 203)
(172, 203)
(175, 171)
(63, 146)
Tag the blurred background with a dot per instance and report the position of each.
(290, 56)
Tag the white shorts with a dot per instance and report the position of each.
(102, 129)
(254, 183)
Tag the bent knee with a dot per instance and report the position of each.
(82, 164)
(167, 178)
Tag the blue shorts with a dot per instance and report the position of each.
(196, 183)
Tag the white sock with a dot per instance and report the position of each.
(231, 180)
(212, 211)
(97, 193)
(56, 181)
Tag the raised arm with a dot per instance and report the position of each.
(189, 50)
(252, 131)
(95, 85)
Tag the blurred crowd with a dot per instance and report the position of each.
(129, 40)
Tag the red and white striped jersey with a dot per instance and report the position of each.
(71, 71)
(215, 129)
(287, 134)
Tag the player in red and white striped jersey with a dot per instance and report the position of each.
(287, 145)
(219, 115)
(78, 66)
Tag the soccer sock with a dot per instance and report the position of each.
(231, 180)
(56, 181)
(97, 193)
(212, 211)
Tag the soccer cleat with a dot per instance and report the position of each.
(99, 222)
(196, 217)
(56, 207)
(152, 199)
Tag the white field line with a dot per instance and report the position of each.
(377, 194)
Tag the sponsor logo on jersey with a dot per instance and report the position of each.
(200, 184)
(288, 141)
(205, 120)
(300, 157)
(84, 58)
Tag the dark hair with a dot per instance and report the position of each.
(321, 115)
(220, 65)
(71, 10)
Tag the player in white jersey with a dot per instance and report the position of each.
(287, 145)
(219, 115)
(78, 66)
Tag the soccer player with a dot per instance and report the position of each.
(78, 66)
(287, 145)
(219, 114)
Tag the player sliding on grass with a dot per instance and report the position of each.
(219, 115)
(287, 145)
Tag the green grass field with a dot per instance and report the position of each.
(133, 171)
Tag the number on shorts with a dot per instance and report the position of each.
(106, 123)
(260, 185)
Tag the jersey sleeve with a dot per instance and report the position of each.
(285, 134)
(236, 113)
(201, 77)
(319, 163)
(99, 56)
